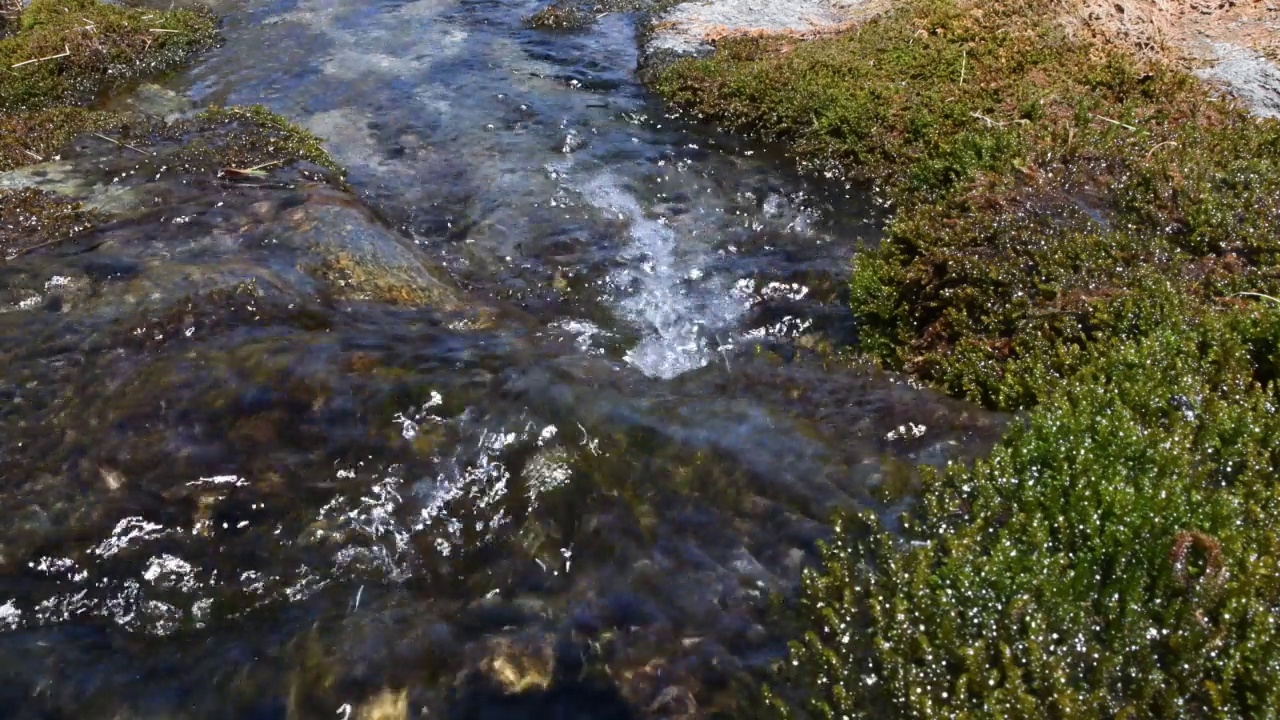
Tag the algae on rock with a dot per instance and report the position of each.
(31, 218)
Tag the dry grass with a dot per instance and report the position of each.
(1180, 31)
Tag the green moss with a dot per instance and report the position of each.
(1040, 181)
(998, 290)
(110, 44)
(69, 52)
(560, 15)
(247, 137)
(1116, 556)
(234, 142)
(107, 44)
(99, 45)
(237, 141)
(1073, 232)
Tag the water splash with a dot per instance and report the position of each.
(663, 288)
(384, 523)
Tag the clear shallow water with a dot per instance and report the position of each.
(529, 430)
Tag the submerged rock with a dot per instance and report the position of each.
(156, 101)
(65, 179)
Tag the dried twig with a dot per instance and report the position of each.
(989, 121)
(1157, 146)
(265, 186)
(51, 57)
(255, 171)
(121, 144)
(37, 157)
(997, 123)
(1115, 122)
(162, 30)
(1272, 298)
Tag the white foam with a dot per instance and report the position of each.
(663, 289)
(10, 616)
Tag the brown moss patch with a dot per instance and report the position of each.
(27, 138)
(31, 219)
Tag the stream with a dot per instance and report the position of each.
(533, 421)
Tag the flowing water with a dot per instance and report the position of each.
(529, 423)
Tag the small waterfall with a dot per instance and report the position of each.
(663, 290)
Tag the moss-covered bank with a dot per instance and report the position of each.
(1074, 231)
(62, 53)
(1039, 180)
(70, 51)
(1117, 556)
(65, 54)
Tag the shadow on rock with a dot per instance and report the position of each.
(564, 698)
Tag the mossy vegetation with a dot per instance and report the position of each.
(57, 54)
(263, 136)
(567, 15)
(65, 53)
(560, 15)
(31, 218)
(1039, 180)
(1116, 556)
(70, 51)
(27, 138)
(239, 142)
(230, 144)
(79, 50)
(1076, 232)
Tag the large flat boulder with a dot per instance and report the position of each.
(690, 28)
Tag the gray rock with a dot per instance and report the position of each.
(687, 28)
(1247, 75)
